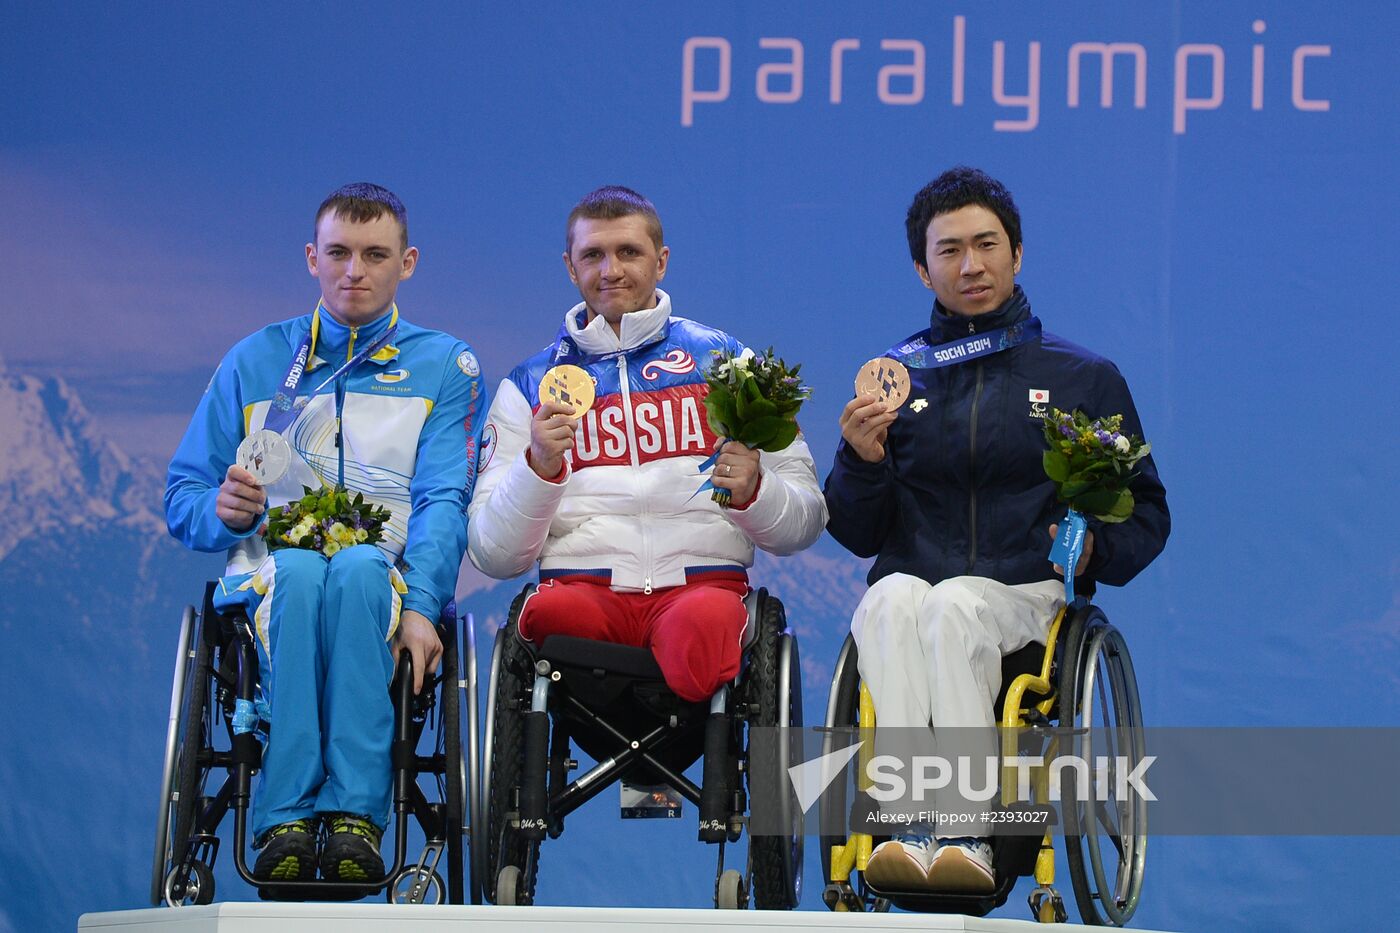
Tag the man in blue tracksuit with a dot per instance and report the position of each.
(949, 495)
(403, 432)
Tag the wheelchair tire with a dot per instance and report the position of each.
(189, 771)
(842, 712)
(476, 808)
(414, 885)
(454, 779)
(775, 699)
(197, 887)
(1099, 702)
(165, 821)
(505, 749)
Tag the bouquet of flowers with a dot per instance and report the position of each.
(753, 399)
(1092, 463)
(325, 520)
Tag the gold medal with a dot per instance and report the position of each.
(570, 386)
(886, 379)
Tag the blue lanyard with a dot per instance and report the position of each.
(285, 405)
(918, 353)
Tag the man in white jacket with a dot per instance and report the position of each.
(605, 500)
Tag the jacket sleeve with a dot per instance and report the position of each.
(443, 476)
(1123, 550)
(200, 462)
(788, 513)
(860, 500)
(513, 507)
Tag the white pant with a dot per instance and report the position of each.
(931, 655)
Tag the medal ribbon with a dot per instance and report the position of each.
(285, 405)
(918, 353)
(1069, 545)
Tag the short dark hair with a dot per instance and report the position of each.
(609, 203)
(956, 188)
(362, 202)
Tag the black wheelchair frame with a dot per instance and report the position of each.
(612, 701)
(1085, 682)
(217, 666)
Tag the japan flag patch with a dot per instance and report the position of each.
(1040, 403)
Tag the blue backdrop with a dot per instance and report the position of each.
(1217, 217)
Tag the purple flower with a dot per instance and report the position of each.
(1066, 430)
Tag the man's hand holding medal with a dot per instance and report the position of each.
(566, 393)
(882, 386)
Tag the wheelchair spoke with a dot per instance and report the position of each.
(1105, 820)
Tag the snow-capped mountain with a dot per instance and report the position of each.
(58, 470)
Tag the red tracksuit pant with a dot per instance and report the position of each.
(695, 631)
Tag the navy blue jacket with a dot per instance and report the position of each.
(962, 491)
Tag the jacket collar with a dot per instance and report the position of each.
(596, 338)
(331, 339)
(947, 325)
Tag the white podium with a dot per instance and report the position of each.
(399, 918)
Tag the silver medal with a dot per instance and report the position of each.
(266, 455)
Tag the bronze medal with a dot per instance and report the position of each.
(886, 379)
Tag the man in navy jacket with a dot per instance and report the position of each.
(949, 495)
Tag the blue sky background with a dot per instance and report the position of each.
(160, 163)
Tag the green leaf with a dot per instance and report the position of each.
(1076, 485)
(759, 431)
(1056, 465)
(762, 409)
(1122, 509)
(783, 438)
(719, 406)
(741, 403)
(1096, 502)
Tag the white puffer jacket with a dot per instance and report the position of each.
(627, 510)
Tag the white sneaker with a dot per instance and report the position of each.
(962, 866)
(902, 863)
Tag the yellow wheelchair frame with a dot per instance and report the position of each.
(1093, 661)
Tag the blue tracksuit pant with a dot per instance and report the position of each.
(325, 665)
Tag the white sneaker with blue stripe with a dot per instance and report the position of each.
(902, 863)
(962, 865)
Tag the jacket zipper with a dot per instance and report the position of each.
(972, 466)
(340, 402)
(636, 469)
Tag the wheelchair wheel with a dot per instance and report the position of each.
(508, 854)
(195, 887)
(453, 777)
(413, 885)
(475, 813)
(185, 741)
(842, 712)
(775, 695)
(1105, 840)
(164, 821)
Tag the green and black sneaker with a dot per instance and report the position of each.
(351, 852)
(288, 852)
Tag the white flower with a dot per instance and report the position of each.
(1121, 444)
(742, 360)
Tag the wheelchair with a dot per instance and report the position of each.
(216, 671)
(612, 702)
(1082, 679)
